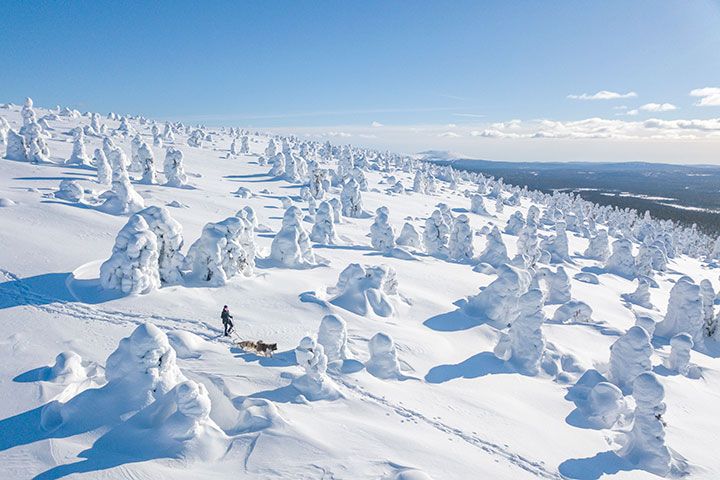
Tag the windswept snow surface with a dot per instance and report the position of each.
(456, 411)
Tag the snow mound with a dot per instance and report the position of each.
(383, 362)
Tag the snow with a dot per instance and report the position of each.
(411, 388)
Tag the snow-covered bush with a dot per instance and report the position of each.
(684, 312)
(383, 362)
(604, 405)
(173, 168)
(170, 241)
(362, 289)
(16, 147)
(70, 190)
(291, 246)
(557, 245)
(460, 245)
(133, 266)
(409, 237)
(332, 335)
(225, 249)
(323, 230)
(523, 344)
(573, 311)
(679, 359)
(146, 162)
(435, 236)
(629, 357)
(382, 236)
(558, 286)
(644, 444)
(499, 300)
(515, 223)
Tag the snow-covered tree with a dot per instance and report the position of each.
(362, 289)
(558, 284)
(351, 198)
(135, 163)
(173, 168)
(557, 245)
(527, 244)
(644, 444)
(79, 155)
(122, 199)
(598, 247)
(319, 183)
(524, 343)
(332, 335)
(16, 147)
(515, 223)
(621, 261)
(641, 295)
(323, 230)
(629, 357)
(460, 245)
(383, 362)
(225, 249)
(146, 159)
(104, 172)
(680, 348)
(168, 232)
(133, 266)
(707, 296)
(315, 384)
(499, 300)
(382, 236)
(684, 312)
(435, 236)
(495, 252)
(291, 246)
(70, 190)
(409, 237)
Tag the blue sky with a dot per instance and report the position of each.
(460, 67)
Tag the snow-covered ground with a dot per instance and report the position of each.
(458, 408)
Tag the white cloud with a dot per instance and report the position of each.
(658, 107)
(709, 96)
(633, 112)
(376, 124)
(602, 95)
(449, 135)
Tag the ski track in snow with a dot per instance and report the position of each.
(535, 468)
(86, 312)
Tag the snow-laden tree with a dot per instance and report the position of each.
(641, 295)
(527, 244)
(225, 249)
(122, 198)
(495, 252)
(135, 164)
(499, 300)
(351, 198)
(621, 261)
(499, 204)
(382, 236)
(271, 149)
(233, 147)
(168, 232)
(332, 335)
(133, 266)
(117, 159)
(524, 343)
(278, 165)
(319, 183)
(4, 129)
(684, 312)
(315, 384)
(364, 289)
(337, 210)
(515, 224)
(435, 235)
(598, 246)
(557, 245)
(291, 246)
(295, 168)
(419, 182)
(79, 155)
(573, 311)
(409, 237)
(146, 160)
(323, 230)
(16, 147)
(644, 445)
(679, 359)
(629, 357)
(460, 244)
(644, 261)
(383, 362)
(707, 296)
(174, 169)
(104, 172)
(244, 146)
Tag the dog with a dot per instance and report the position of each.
(260, 347)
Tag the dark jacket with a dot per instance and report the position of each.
(226, 317)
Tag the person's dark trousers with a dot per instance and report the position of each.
(228, 327)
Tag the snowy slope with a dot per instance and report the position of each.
(457, 412)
